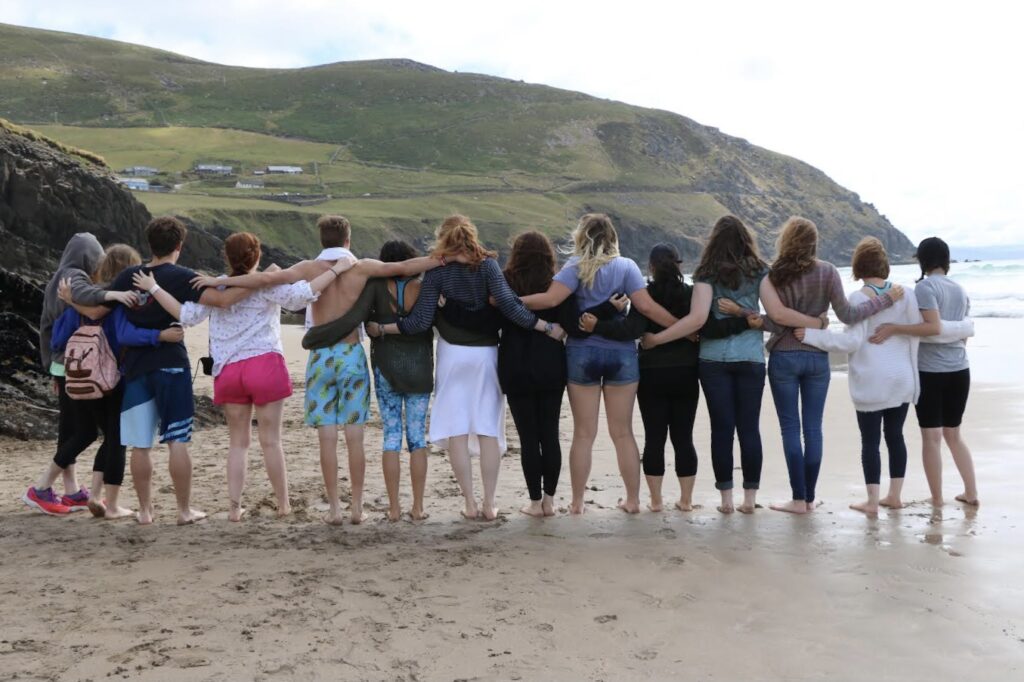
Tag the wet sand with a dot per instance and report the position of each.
(912, 594)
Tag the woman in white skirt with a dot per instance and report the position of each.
(468, 416)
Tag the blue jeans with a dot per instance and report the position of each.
(799, 381)
(733, 392)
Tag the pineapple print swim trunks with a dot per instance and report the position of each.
(337, 386)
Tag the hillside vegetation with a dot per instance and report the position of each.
(396, 145)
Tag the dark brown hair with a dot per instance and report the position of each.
(731, 255)
(165, 235)
(335, 230)
(531, 265)
(797, 251)
(242, 252)
(870, 259)
(458, 235)
(396, 251)
(116, 259)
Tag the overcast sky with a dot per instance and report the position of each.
(917, 106)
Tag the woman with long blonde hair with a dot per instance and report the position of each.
(599, 366)
(469, 410)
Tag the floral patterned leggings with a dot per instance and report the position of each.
(390, 405)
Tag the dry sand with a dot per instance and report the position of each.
(910, 595)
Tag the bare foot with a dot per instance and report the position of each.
(96, 508)
(726, 508)
(746, 508)
(358, 516)
(814, 504)
(394, 515)
(687, 506)
(334, 517)
(236, 512)
(284, 511)
(418, 515)
(534, 509)
(547, 506)
(190, 517)
(963, 498)
(117, 512)
(890, 502)
(791, 507)
(865, 508)
(490, 513)
(145, 516)
(471, 512)
(629, 507)
(656, 505)
(577, 508)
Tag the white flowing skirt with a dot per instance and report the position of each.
(467, 396)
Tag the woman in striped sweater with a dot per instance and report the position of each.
(469, 409)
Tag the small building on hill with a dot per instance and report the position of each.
(137, 184)
(286, 170)
(213, 169)
(140, 171)
(249, 184)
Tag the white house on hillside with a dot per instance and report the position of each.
(249, 184)
(137, 184)
(288, 170)
(140, 171)
(213, 169)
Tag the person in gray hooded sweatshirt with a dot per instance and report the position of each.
(80, 259)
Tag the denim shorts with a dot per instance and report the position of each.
(596, 366)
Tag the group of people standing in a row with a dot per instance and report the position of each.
(501, 336)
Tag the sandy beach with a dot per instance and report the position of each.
(910, 595)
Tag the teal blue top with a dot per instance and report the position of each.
(746, 346)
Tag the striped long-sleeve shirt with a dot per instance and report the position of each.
(471, 288)
(811, 294)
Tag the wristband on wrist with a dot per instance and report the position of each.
(153, 289)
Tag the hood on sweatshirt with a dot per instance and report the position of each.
(80, 259)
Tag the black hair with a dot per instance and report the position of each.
(667, 286)
(396, 251)
(932, 253)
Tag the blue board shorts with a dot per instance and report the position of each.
(597, 366)
(337, 386)
(161, 398)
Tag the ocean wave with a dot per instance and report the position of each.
(998, 314)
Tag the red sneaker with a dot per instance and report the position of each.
(78, 501)
(44, 501)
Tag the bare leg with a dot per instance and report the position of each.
(931, 455)
(964, 464)
(70, 480)
(462, 467)
(585, 402)
(53, 472)
(749, 505)
(392, 466)
(97, 506)
(893, 499)
(618, 405)
(490, 467)
(685, 502)
(547, 505)
(871, 505)
(180, 465)
(356, 470)
(239, 418)
(269, 418)
(418, 469)
(654, 487)
(328, 436)
(727, 506)
(142, 478)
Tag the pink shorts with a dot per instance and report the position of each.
(254, 381)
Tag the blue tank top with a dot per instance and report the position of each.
(879, 290)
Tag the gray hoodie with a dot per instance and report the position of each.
(80, 259)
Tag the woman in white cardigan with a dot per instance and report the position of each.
(883, 377)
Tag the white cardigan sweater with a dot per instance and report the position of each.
(884, 375)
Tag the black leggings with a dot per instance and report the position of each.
(536, 415)
(80, 424)
(668, 398)
(871, 427)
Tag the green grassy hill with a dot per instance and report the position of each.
(397, 145)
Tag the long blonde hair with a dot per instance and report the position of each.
(458, 235)
(116, 259)
(797, 251)
(595, 243)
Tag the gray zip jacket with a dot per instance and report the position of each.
(80, 259)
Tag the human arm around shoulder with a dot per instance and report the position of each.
(700, 307)
(130, 335)
(952, 331)
(563, 285)
(507, 301)
(849, 313)
(407, 268)
(779, 312)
